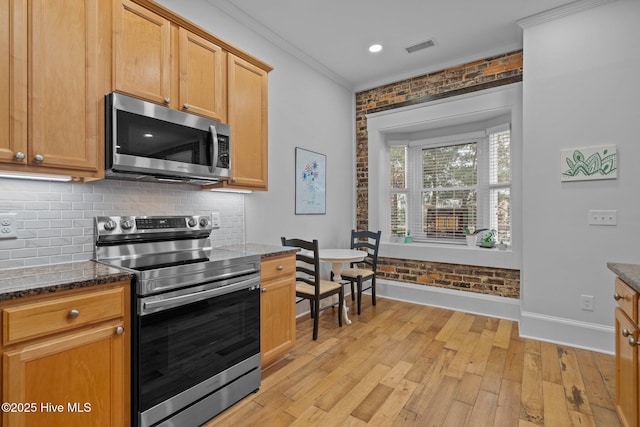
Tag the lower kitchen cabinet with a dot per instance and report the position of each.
(627, 368)
(277, 307)
(65, 358)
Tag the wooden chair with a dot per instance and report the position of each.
(364, 270)
(308, 283)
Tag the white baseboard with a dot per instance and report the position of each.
(574, 333)
(469, 302)
(589, 336)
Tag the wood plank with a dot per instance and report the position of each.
(572, 379)
(503, 334)
(531, 399)
(484, 410)
(555, 405)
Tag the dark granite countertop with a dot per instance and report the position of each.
(630, 273)
(21, 282)
(260, 249)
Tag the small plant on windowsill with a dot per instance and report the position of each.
(471, 235)
(396, 236)
(488, 240)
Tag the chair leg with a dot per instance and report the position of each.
(359, 293)
(353, 294)
(373, 290)
(316, 319)
(340, 306)
(311, 308)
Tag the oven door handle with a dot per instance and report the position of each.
(149, 307)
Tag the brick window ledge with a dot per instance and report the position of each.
(452, 254)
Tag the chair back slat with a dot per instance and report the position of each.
(370, 242)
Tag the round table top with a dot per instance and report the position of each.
(344, 255)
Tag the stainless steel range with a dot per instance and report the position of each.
(196, 317)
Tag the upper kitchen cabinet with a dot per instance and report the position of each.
(52, 73)
(247, 112)
(160, 61)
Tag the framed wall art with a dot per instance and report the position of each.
(311, 181)
(588, 163)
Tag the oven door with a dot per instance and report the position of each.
(193, 342)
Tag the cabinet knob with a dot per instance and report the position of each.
(73, 313)
(167, 100)
(633, 342)
(233, 179)
(38, 158)
(185, 106)
(280, 267)
(625, 332)
(617, 296)
(264, 290)
(119, 330)
(19, 155)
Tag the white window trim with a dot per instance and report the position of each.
(392, 127)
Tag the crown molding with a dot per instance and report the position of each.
(260, 29)
(560, 12)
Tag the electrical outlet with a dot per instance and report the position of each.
(603, 217)
(586, 302)
(8, 226)
(215, 219)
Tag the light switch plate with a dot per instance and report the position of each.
(215, 219)
(603, 217)
(8, 226)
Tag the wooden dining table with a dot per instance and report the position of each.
(338, 257)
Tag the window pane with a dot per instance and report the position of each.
(398, 213)
(501, 214)
(500, 157)
(398, 156)
(445, 213)
(450, 166)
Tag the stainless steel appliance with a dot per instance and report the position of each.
(150, 142)
(196, 317)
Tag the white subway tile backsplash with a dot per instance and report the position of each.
(55, 220)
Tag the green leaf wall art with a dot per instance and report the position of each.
(580, 164)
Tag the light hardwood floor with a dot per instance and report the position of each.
(412, 365)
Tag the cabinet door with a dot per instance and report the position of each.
(626, 371)
(13, 80)
(202, 76)
(142, 53)
(277, 317)
(64, 93)
(82, 371)
(247, 112)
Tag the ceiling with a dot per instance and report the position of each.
(333, 35)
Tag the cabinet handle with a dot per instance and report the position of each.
(625, 332)
(73, 313)
(617, 296)
(167, 100)
(19, 155)
(38, 158)
(633, 342)
(119, 330)
(280, 267)
(185, 106)
(264, 290)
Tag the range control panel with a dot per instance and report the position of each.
(131, 225)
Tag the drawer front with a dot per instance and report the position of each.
(627, 299)
(276, 267)
(32, 320)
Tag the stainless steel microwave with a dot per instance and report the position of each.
(150, 142)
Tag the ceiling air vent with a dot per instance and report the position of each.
(420, 46)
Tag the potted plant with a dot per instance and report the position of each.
(408, 238)
(471, 235)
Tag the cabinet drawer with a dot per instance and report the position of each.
(627, 299)
(32, 320)
(276, 267)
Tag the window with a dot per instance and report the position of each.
(439, 189)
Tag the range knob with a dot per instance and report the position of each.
(126, 224)
(110, 225)
(192, 222)
(204, 222)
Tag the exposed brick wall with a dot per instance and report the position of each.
(485, 280)
(490, 72)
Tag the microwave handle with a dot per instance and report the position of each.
(214, 160)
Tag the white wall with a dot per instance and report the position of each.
(580, 89)
(306, 109)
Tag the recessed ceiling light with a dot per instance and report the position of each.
(375, 48)
(148, 135)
